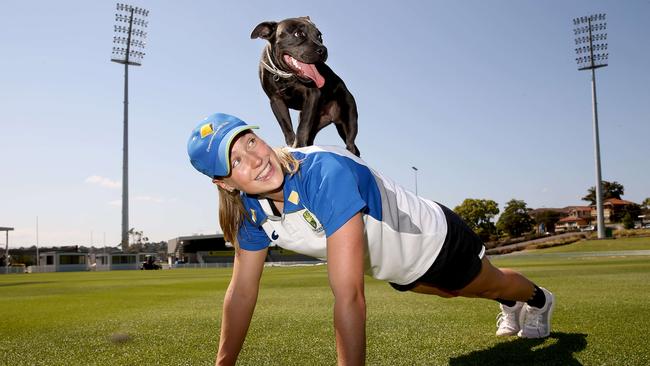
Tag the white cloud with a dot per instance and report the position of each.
(116, 203)
(103, 182)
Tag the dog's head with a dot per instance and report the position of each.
(296, 45)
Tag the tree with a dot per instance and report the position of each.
(628, 221)
(515, 219)
(610, 190)
(548, 218)
(645, 206)
(478, 214)
(632, 211)
(137, 240)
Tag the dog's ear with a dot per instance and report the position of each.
(306, 18)
(264, 30)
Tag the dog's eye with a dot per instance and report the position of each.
(299, 34)
(320, 37)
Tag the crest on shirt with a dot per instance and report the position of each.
(312, 221)
(253, 215)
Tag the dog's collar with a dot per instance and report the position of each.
(277, 73)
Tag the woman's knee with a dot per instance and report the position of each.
(489, 283)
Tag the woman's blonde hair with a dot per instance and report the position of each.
(231, 209)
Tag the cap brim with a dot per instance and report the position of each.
(224, 149)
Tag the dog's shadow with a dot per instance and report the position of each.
(521, 351)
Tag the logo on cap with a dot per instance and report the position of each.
(206, 129)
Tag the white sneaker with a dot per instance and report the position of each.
(508, 319)
(536, 322)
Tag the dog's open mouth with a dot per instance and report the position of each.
(305, 70)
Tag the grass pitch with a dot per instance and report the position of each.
(172, 317)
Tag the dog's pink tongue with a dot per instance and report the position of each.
(311, 72)
(308, 70)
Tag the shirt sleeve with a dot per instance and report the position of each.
(252, 237)
(333, 192)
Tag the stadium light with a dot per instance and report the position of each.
(591, 53)
(128, 49)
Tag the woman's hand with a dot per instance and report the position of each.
(345, 261)
(239, 303)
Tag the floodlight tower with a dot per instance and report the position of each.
(128, 49)
(591, 54)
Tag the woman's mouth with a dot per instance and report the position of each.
(266, 173)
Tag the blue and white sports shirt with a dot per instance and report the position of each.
(403, 232)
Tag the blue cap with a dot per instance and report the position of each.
(209, 143)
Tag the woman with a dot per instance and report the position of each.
(326, 203)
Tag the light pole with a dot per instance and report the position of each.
(128, 49)
(591, 54)
(38, 262)
(6, 230)
(415, 171)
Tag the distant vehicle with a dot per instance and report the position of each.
(646, 226)
(150, 263)
(588, 228)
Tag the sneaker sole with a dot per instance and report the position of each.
(507, 334)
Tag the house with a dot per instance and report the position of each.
(578, 217)
(613, 210)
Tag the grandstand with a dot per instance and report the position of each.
(214, 251)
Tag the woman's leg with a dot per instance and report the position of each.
(499, 283)
(491, 283)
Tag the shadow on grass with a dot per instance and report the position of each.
(557, 349)
(23, 283)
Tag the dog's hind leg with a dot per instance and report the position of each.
(281, 112)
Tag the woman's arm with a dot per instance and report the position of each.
(345, 256)
(239, 303)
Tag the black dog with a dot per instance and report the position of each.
(294, 75)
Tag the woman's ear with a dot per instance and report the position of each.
(223, 185)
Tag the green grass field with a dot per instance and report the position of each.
(172, 317)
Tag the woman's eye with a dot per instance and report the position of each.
(235, 163)
(251, 142)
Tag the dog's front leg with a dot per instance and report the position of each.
(309, 118)
(281, 112)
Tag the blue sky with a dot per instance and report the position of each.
(484, 98)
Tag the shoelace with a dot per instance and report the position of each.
(502, 316)
(533, 319)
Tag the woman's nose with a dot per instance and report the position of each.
(255, 160)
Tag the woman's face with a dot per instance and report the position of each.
(254, 167)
